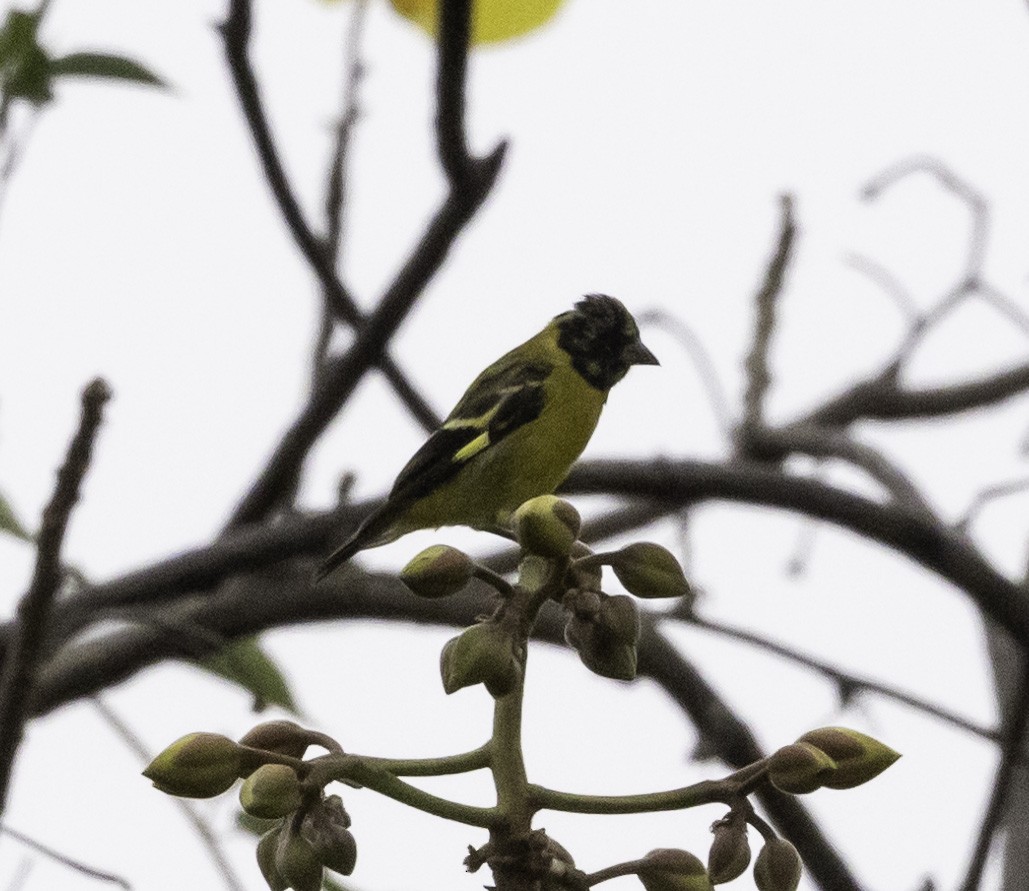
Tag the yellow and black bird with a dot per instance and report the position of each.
(515, 432)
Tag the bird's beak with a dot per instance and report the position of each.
(638, 354)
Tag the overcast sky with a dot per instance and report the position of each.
(649, 144)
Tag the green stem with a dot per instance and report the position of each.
(727, 790)
(506, 760)
(375, 777)
(630, 868)
(705, 792)
(447, 765)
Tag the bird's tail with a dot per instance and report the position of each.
(374, 531)
(339, 556)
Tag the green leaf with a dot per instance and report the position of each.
(24, 65)
(104, 65)
(9, 522)
(245, 663)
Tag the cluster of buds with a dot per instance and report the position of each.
(777, 867)
(313, 831)
(602, 628)
(830, 758)
(308, 841)
(605, 628)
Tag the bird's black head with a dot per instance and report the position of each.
(603, 340)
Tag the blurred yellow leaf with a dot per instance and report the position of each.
(493, 21)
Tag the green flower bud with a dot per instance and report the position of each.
(325, 829)
(777, 867)
(799, 768)
(273, 790)
(282, 737)
(438, 571)
(547, 525)
(482, 654)
(297, 863)
(859, 758)
(620, 618)
(606, 643)
(649, 570)
(199, 765)
(730, 852)
(670, 869)
(266, 849)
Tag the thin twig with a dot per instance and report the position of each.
(200, 826)
(848, 684)
(887, 282)
(64, 860)
(19, 668)
(990, 493)
(823, 443)
(1014, 731)
(756, 363)
(336, 181)
(978, 208)
(21, 875)
(455, 30)
(235, 32)
(342, 375)
(879, 398)
(702, 362)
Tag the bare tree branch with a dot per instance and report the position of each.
(342, 375)
(881, 399)
(200, 827)
(756, 363)
(336, 181)
(1017, 723)
(235, 33)
(64, 860)
(23, 655)
(847, 683)
(671, 483)
(905, 531)
(702, 362)
(821, 442)
(242, 610)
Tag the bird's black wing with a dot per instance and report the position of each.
(497, 403)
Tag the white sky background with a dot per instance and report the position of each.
(649, 142)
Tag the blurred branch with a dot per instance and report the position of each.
(674, 484)
(756, 363)
(821, 442)
(881, 399)
(887, 282)
(455, 31)
(200, 826)
(970, 282)
(235, 33)
(990, 493)
(343, 374)
(242, 610)
(898, 527)
(702, 362)
(978, 207)
(34, 609)
(1017, 723)
(847, 684)
(336, 181)
(58, 857)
